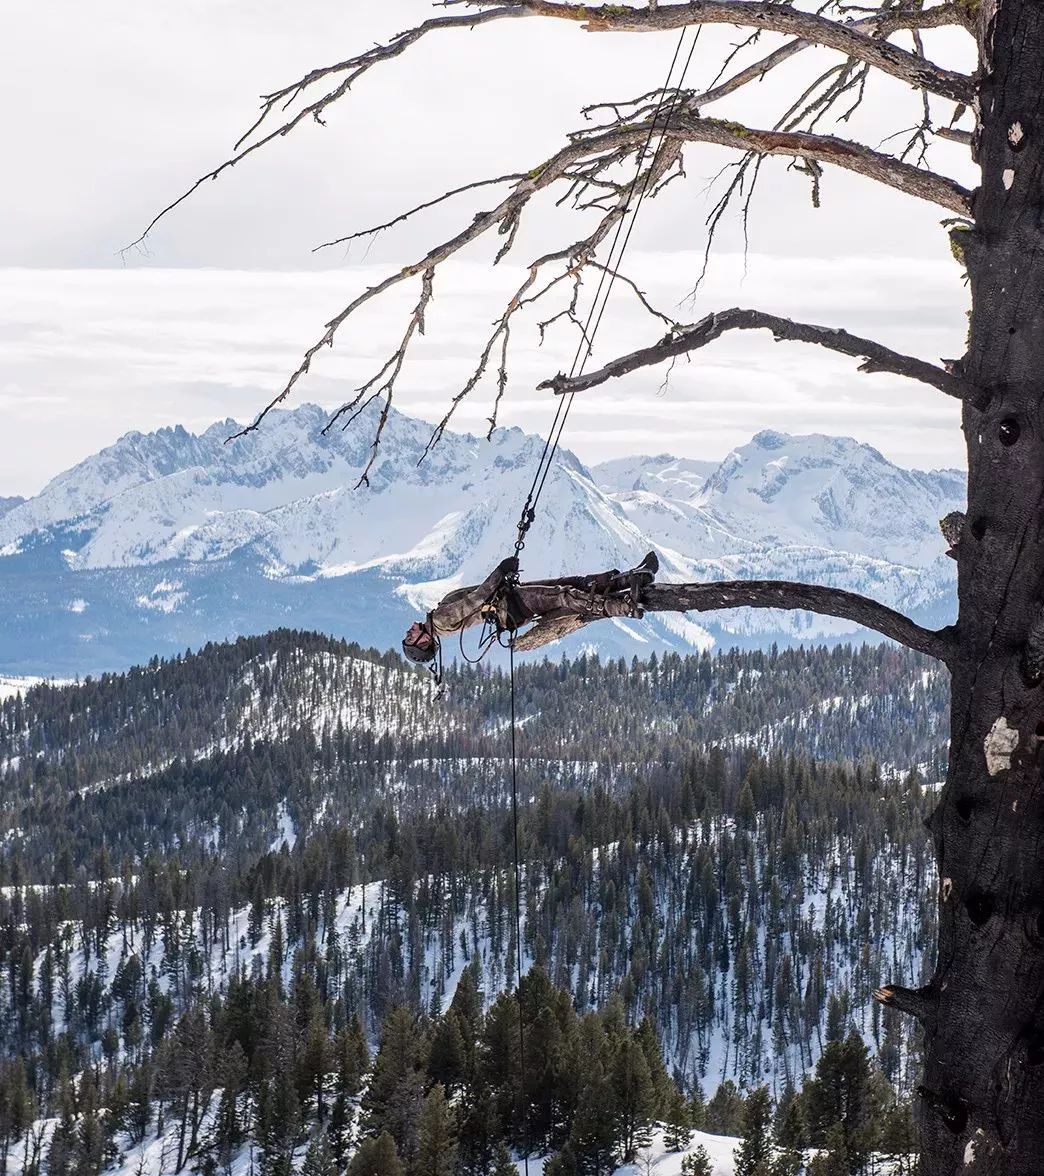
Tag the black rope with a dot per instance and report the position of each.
(554, 436)
(606, 281)
(518, 914)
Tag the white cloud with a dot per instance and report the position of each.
(142, 348)
(122, 126)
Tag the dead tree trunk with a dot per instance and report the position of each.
(983, 1094)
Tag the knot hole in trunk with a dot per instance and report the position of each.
(980, 906)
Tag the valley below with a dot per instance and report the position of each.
(260, 897)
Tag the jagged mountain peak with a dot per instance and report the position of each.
(839, 491)
(167, 538)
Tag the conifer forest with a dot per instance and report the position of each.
(257, 914)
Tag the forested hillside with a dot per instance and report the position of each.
(224, 873)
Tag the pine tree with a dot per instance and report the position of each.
(593, 1143)
(698, 1109)
(437, 1148)
(352, 1058)
(677, 1127)
(318, 1160)
(725, 1110)
(500, 1064)
(661, 1080)
(635, 1096)
(341, 1117)
(898, 1139)
(91, 1136)
(395, 1094)
(313, 1064)
(788, 1124)
(698, 1163)
(843, 1096)
(16, 1106)
(503, 1165)
(228, 1132)
(377, 1157)
(787, 1162)
(447, 1057)
(833, 1158)
(755, 1150)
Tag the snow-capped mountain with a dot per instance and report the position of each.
(170, 539)
(670, 477)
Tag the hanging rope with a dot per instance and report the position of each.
(518, 911)
(607, 280)
(583, 353)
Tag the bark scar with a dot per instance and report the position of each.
(1000, 745)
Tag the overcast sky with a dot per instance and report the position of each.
(123, 105)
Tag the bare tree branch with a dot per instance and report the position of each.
(955, 135)
(604, 150)
(880, 24)
(862, 40)
(852, 156)
(758, 14)
(833, 602)
(876, 357)
(352, 67)
(405, 216)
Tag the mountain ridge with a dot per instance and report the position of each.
(171, 538)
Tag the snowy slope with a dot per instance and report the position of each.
(170, 539)
(667, 476)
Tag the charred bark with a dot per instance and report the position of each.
(982, 1106)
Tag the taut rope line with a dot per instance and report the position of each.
(565, 403)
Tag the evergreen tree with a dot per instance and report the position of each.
(339, 1131)
(60, 1153)
(653, 1051)
(318, 1160)
(395, 1094)
(594, 1138)
(697, 1163)
(698, 1109)
(898, 1139)
(377, 1157)
(228, 1132)
(437, 1148)
(725, 1110)
(503, 1165)
(787, 1162)
(500, 1066)
(635, 1096)
(841, 1102)
(448, 1055)
(833, 1158)
(313, 1064)
(16, 1106)
(788, 1124)
(677, 1126)
(755, 1150)
(351, 1057)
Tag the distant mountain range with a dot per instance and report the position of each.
(170, 539)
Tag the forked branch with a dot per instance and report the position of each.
(755, 14)
(876, 357)
(590, 171)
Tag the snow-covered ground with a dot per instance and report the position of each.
(657, 1159)
(9, 686)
